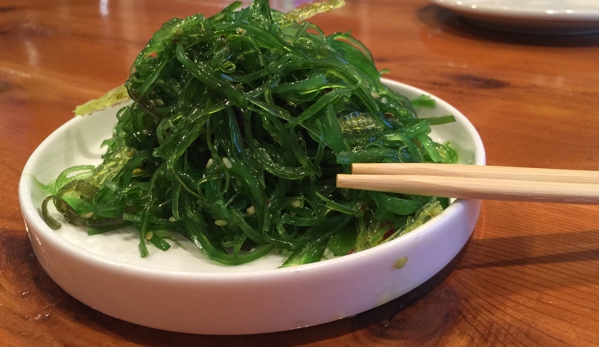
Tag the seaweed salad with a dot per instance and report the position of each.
(237, 127)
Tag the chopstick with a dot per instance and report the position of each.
(476, 182)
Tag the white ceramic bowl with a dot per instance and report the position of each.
(181, 290)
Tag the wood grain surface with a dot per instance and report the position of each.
(529, 276)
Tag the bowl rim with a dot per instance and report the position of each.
(31, 215)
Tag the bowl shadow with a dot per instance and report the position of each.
(375, 323)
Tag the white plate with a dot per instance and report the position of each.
(530, 16)
(181, 290)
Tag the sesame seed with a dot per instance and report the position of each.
(227, 163)
(221, 222)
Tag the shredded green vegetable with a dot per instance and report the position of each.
(114, 97)
(239, 125)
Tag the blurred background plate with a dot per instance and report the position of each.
(529, 16)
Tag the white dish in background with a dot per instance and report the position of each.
(529, 16)
(181, 290)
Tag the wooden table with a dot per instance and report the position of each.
(528, 276)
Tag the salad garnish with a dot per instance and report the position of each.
(236, 129)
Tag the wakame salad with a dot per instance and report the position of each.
(237, 127)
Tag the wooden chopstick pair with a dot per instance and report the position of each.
(476, 182)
